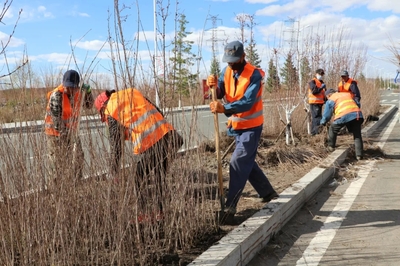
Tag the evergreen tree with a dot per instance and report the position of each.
(362, 78)
(273, 82)
(305, 72)
(289, 73)
(252, 56)
(215, 67)
(183, 60)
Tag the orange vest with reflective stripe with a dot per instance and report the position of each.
(345, 86)
(144, 123)
(69, 114)
(344, 104)
(316, 98)
(249, 119)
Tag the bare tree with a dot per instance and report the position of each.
(4, 44)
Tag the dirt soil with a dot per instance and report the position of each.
(283, 164)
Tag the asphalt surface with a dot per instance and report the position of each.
(352, 223)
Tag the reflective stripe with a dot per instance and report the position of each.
(240, 119)
(345, 86)
(148, 132)
(344, 104)
(318, 98)
(69, 115)
(145, 125)
(143, 118)
(235, 91)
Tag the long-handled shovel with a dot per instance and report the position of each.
(219, 161)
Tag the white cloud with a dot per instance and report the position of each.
(14, 42)
(142, 55)
(42, 11)
(384, 5)
(94, 45)
(57, 58)
(84, 15)
(9, 13)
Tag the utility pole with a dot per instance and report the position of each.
(299, 55)
(155, 54)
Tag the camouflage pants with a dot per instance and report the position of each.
(65, 157)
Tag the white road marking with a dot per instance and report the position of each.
(320, 243)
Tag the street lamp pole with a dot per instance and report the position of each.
(155, 54)
(299, 56)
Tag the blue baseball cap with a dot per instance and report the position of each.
(71, 79)
(233, 51)
(329, 91)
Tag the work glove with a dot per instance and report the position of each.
(86, 88)
(212, 81)
(323, 86)
(321, 128)
(217, 107)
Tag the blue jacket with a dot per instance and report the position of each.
(330, 108)
(246, 102)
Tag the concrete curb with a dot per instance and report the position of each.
(243, 243)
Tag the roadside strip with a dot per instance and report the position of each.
(243, 243)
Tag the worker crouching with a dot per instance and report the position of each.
(131, 117)
(346, 113)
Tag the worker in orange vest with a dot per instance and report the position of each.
(132, 117)
(241, 85)
(61, 125)
(349, 85)
(316, 99)
(346, 113)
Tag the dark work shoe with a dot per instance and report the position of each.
(270, 196)
(227, 219)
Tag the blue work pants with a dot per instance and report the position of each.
(243, 167)
(316, 116)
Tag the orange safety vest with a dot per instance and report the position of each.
(316, 98)
(69, 114)
(249, 119)
(345, 86)
(344, 104)
(144, 123)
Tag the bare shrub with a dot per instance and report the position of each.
(96, 221)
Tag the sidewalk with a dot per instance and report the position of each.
(243, 243)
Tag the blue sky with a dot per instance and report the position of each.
(47, 28)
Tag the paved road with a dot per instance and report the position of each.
(354, 223)
(23, 154)
(390, 97)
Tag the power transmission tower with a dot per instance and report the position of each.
(290, 34)
(215, 69)
(214, 38)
